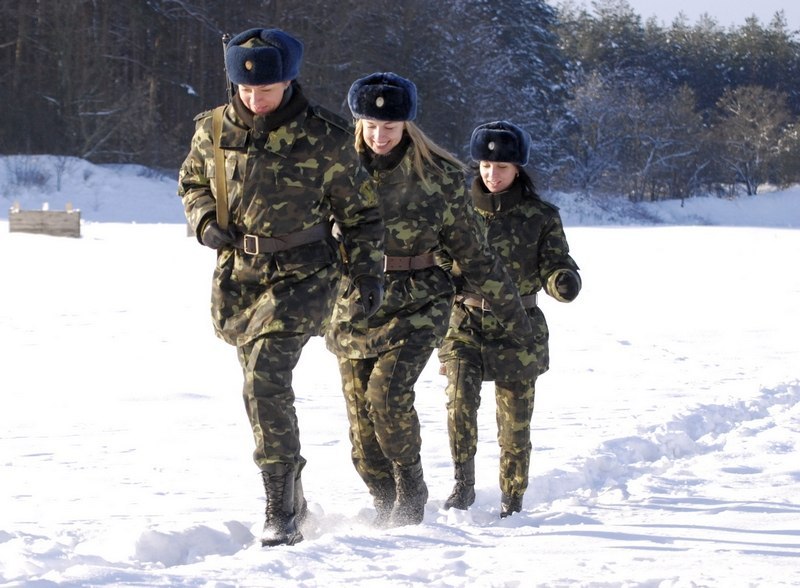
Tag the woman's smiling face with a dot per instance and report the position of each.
(382, 135)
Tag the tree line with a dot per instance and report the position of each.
(615, 105)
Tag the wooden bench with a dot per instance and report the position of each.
(65, 223)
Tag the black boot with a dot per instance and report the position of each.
(280, 527)
(300, 504)
(509, 504)
(463, 494)
(383, 496)
(412, 494)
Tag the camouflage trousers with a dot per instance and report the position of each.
(267, 363)
(384, 426)
(514, 410)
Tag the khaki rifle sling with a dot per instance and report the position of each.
(219, 169)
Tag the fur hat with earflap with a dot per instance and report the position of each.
(500, 141)
(383, 96)
(259, 57)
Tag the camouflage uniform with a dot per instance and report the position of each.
(381, 358)
(285, 173)
(528, 235)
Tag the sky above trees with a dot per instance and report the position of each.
(725, 12)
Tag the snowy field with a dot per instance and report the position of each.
(666, 434)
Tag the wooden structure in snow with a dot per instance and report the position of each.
(66, 223)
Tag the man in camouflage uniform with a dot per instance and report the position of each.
(528, 235)
(422, 193)
(288, 168)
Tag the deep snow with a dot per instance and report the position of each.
(666, 434)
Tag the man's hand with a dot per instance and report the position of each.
(214, 237)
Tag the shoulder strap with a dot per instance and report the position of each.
(332, 118)
(219, 169)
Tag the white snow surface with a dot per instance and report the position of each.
(666, 435)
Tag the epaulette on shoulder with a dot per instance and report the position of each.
(203, 115)
(332, 118)
(549, 205)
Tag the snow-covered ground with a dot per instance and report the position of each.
(666, 434)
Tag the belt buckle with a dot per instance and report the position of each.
(250, 244)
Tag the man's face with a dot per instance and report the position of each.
(261, 100)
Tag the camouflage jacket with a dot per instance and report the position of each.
(280, 181)
(424, 216)
(528, 234)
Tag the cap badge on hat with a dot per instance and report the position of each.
(383, 96)
(500, 141)
(260, 57)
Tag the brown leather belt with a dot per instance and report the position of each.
(253, 244)
(528, 301)
(395, 263)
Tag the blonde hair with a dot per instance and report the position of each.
(425, 149)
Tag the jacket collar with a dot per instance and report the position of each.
(261, 128)
(498, 202)
(383, 163)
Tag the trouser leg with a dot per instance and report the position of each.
(366, 453)
(379, 392)
(463, 401)
(514, 413)
(267, 364)
(385, 431)
(391, 397)
(390, 402)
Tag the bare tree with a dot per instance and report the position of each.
(751, 134)
(597, 139)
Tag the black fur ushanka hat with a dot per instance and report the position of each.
(258, 57)
(500, 141)
(383, 96)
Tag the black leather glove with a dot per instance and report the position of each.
(370, 293)
(213, 236)
(564, 285)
